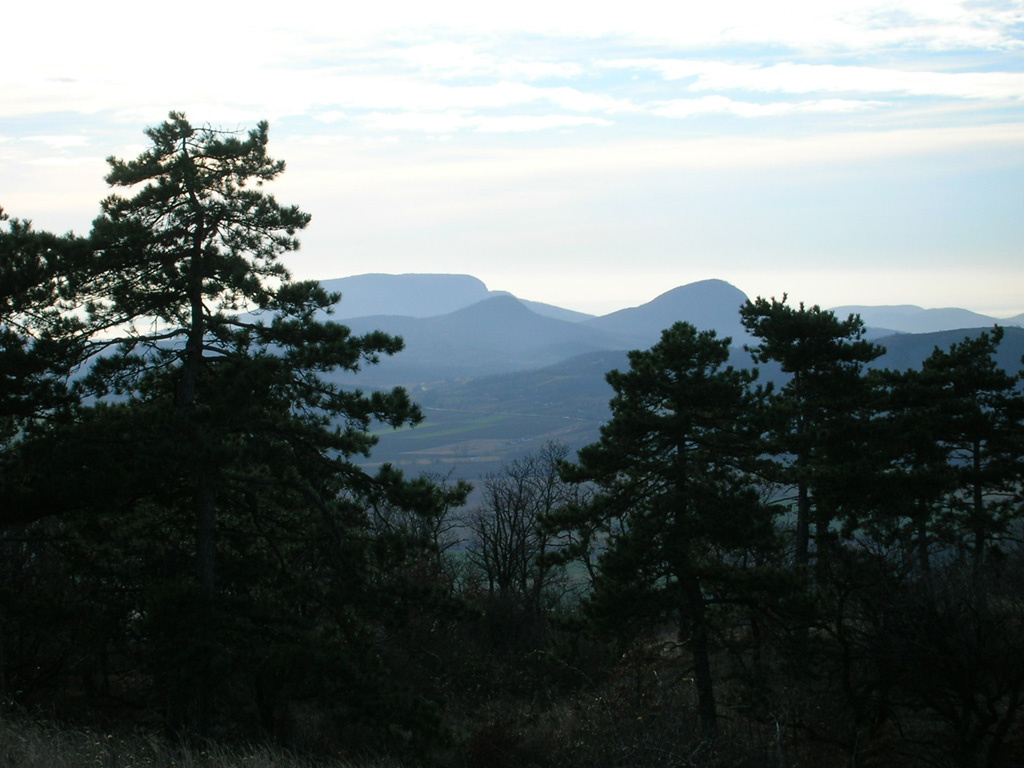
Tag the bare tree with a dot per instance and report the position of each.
(509, 543)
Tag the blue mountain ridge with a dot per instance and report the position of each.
(454, 327)
(497, 378)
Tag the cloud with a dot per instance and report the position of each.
(452, 55)
(326, 168)
(796, 24)
(409, 103)
(450, 122)
(454, 59)
(457, 129)
(721, 105)
(59, 142)
(798, 78)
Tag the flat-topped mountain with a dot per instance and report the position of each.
(420, 295)
(416, 295)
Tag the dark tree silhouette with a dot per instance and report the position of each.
(674, 500)
(815, 427)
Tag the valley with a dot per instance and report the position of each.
(496, 379)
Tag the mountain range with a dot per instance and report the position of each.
(455, 328)
(497, 376)
(421, 295)
(429, 295)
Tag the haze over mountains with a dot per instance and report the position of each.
(456, 328)
(421, 295)
(907, 318)
(498, 376)
(494, 332)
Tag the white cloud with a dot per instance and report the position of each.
(404, 118)
(273, 62)
(450, 122)
(524, 123)
(382, 93)
(708, 75)
(707, 105)
(59, 142)
(328, 168)
(810, 78)
(459, 59)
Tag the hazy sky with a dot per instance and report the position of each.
(591, 155)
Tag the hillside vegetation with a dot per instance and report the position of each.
(219, 529)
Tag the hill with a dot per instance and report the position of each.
(418, 295)
(910, 350)
(497, 335)
(421, 295)
(473, 426)
(493, 332)
(907, 318)
(501, 334)
(497, 375)
(708, 304)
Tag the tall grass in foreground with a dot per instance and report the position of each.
(32, 744)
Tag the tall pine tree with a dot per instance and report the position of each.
(818, 425)
(213, 372)
(674, 501)
(979, 412)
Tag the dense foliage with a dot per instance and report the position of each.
(827, 572)
(206, 533)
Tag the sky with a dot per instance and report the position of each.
(589, 155)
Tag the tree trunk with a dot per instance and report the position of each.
(3, 668)
(696, 609)
(978, 520)
(204, 500)
(923, 555)
(803, 514)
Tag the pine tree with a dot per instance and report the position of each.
(819, 420)
(214, 371)
(190, 307)
(979, 414)
(911, 474)
(674, 499)
(40, 342)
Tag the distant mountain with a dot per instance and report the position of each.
(496, 335)
(907, 318)
(549, 310)
(474, 425)
(455, 328)
(578, 380)
(417, 295)
(909, 350)
(420, 295)
(708, 304)
(502, 334)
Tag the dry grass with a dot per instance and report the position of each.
(33, 744)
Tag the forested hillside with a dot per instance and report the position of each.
(801, 552)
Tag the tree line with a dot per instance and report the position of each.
(825, 571)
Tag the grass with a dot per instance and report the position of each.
(33, 744)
